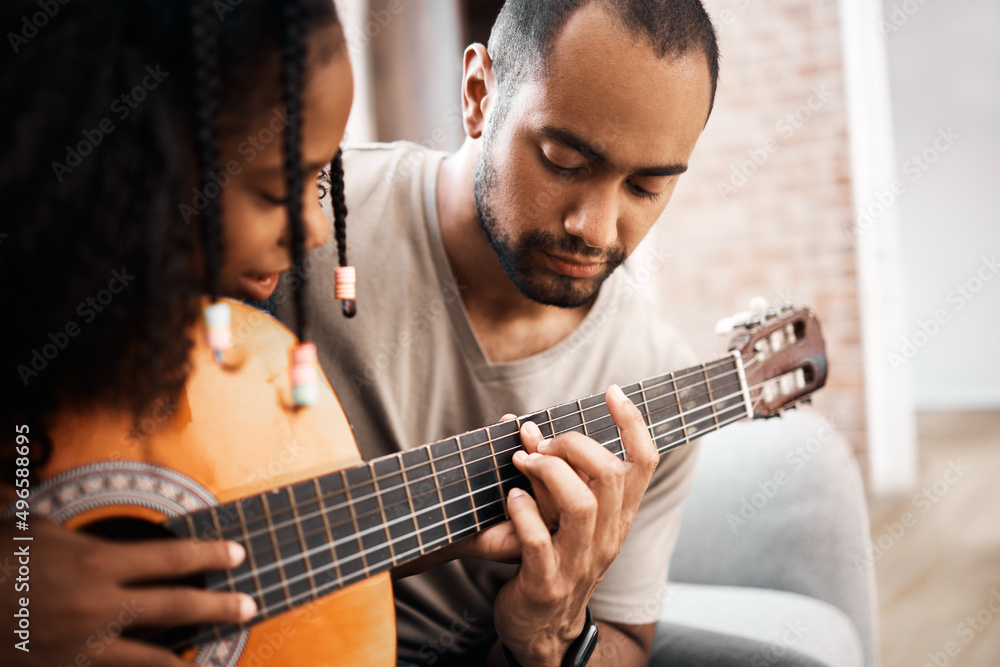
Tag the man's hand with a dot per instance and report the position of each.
(83, 591)
(588, 500)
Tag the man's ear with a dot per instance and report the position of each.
(479, 87)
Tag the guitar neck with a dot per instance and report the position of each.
(313, 537)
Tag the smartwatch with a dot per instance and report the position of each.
(579, 651)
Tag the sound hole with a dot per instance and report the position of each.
(125, 529)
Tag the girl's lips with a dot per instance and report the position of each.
(259, 287)
(572, 269)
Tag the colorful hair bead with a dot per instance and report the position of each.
(345, 289)
(305, 387)
(218, 317)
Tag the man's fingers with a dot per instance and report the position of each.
(572, 499)
(538, 560)
(641, 454)
(604, 471)
(171, 559)
(183, 605)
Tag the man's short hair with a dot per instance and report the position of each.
(525, 31)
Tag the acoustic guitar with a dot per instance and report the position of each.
(233, 459)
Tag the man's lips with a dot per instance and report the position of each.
(574, 268)
(259, 286)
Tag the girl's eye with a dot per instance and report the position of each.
(271, 199)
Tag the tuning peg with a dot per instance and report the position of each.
(727, 324)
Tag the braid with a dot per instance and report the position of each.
(339, 206)
(205, 36)
(292, 65)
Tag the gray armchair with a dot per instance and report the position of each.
(771, 566)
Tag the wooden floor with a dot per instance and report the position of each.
(939, 576)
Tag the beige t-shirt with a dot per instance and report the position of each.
(409, 371)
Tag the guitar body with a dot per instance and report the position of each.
(232, 433)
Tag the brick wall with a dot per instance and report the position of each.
(766, 204)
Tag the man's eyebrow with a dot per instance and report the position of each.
(568, 138)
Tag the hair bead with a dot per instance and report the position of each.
(305, 379)
(345, 289)
(218, 318)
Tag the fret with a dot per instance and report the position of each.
(468, 488)
(413, 509)
(693, 397)
(644, 406)
(327, 531)
(257, 520)
(543, 423)
(711, 399)
(282, 577)
(504, 440)
(600, 425)
(401, 532)
(567, 417)
(427, 509)
(583, 419)
(483, 476)
(303, 544)
(726, 387)
(292, 565)
(450, 478)
(440, 497)
(343, 525)
(367, 517)
(251, 560)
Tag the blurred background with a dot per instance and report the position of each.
(850, 164)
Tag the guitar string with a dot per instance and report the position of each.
(344, 502)
(365, 572)
(342, 580)
(375, 479)
(439, 506)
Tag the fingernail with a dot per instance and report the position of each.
(248, 608)
(531, 430)
(617, 391)
(544, 444)
(515, 493)
(533, 456)
(236, 554)
(520, 456)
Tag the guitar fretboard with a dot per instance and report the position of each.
(313, 537)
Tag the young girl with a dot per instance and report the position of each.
(158, 152)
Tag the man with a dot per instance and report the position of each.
(487, 284)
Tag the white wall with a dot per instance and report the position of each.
(944, 70)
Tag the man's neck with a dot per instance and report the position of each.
(508, 325)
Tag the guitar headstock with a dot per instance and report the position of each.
(784, 357)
